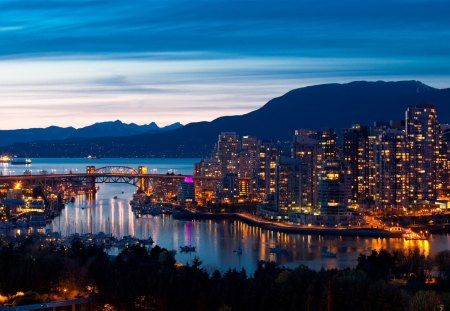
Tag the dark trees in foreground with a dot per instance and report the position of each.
(141, 279)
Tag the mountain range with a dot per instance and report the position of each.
(334, 105)
(101, 129)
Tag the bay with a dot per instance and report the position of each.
(216, 241)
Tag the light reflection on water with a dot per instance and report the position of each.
(215, 240)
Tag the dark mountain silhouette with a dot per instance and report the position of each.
(101, 129)
(316, 107)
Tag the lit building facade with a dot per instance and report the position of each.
(267, 161)
(422, 137)
(307, 151)
(186, 191)
(287, 184)
(226, 152)
(359, 157)
(334, 188)
(392, 163)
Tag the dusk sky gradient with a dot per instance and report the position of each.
(73, 63)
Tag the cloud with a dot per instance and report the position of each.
(78, 62)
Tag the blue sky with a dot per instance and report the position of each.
(78, 62)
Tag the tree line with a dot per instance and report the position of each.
(149, 279)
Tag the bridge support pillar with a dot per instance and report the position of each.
(142, 181)
(90, 184)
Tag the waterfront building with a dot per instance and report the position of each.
(288, 184)
(228, 190)
(307, 151)
(248, 157)
(207, 168)
(445, 139)
(267, 160)
(205, 189)
(334, 188)
(186, 191)
(392, 161)
(359, 157)
(422, 136)
(226, 152)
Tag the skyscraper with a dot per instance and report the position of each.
(422, 136)
(287, 183)
(267, 160)
(359, 157)
(226, 152)
(307, 150)
(392, 161)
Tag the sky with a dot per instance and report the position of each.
(74, 63)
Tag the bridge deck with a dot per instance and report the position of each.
(98, 175)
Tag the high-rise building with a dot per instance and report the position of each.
(248, 157)
(359, 157)
(226, 152)
(328, 145)
(445, 139)
(334, 188)
(267, 160)
(392, 161)
(307, 151)
(207, 168)
(422, 136)
(287, 184)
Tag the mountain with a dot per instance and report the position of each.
(322, 106)
(101, 129)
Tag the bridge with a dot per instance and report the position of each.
(108, 174)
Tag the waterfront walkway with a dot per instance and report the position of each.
(288, 228)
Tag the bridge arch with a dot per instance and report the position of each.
(116, 170)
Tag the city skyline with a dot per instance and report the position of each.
(73, 64)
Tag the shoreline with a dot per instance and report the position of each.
(362, 232)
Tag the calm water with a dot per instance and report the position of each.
(215, 240)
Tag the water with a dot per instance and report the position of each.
(215, 240)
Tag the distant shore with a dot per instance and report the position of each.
(273, 226)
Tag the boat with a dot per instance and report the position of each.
(187, 249)
(328, 254)
(115, 197)
(91, 157)
(278, 250)
(21, 161)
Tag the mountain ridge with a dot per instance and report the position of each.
(115, 128)
(322, 106)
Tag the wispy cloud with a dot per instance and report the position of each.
(78, 62)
